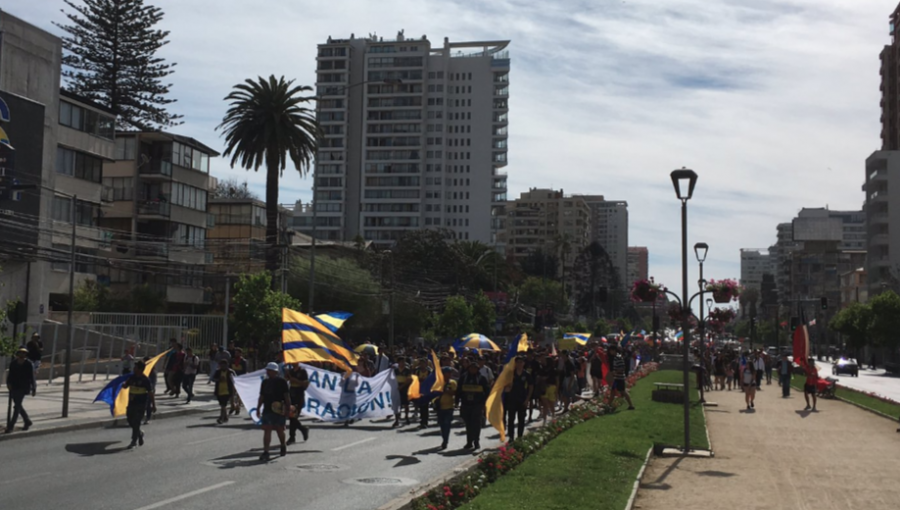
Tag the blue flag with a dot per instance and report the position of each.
(110, 392)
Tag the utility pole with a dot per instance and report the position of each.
(70, 337)
(391, 304)
(227, 307)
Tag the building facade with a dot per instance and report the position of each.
(159, 184)
(890, 87)
(548, 221)
(609, 227)
(638, 264)
(755, 264)
(882, 189)
(414, 136)
(854, 287)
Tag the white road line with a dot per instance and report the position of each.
(351, 445)
(29, 477)
(185, 496)
(207, 440)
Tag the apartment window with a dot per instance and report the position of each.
(123, 187)
(125, 148)
(189, 235)
(189, 157)
(86, 213)
(470, 76)
(78, 165)
(88, 121)
(188, 196)
(440, 75)
(431, 75)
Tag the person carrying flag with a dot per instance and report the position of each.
(518, 394)
(472, 394)
(422, 372)
(445, 407)
(404, 379)
(140, 398)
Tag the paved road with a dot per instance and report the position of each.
(192, 463)
(875, 381)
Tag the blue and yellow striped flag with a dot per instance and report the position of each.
(333, 320)
(116, 396)
(305, 339)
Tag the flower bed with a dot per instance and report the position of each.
(494, 464)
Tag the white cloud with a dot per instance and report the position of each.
(774, 104)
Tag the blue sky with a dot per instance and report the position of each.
(773, 103)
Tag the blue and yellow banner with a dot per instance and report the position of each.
(117, 396)
(333, 320)
(520, 344)
(305, 339)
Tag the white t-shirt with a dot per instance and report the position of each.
(748, 377)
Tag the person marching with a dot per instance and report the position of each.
(445, 407)
(472, 392)
(748, 380)
(224, 389)
(404, 379)
(422, 372)
(298, 378)
(618, 371)
(140, 398)
(273, 405)
(190, 367)
(518, 394)
(238, 367)
(20, 382)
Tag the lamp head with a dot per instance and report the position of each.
(700, 250)
(684, 181)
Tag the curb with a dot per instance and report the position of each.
(403, 502)
(706, 427)
(637, 481)
(873, 411)
(104, 423)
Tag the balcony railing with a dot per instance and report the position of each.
(154, 207)
(152, 250)
(156, 167)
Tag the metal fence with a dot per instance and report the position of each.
(102, 339)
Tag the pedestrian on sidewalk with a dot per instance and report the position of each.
(445, 407)
(517, 395)
(472, 393)
(298, 378)
(223, 389)
(20, 382)
(189, 373)
(812, 380)
(177, 373)
(770, 362)
(169, 366)
(759, 363)
(785, 368)
(140, 398)
(275, 403)
(748, 380)
(618, 371)
(35, 351)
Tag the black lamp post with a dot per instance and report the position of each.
(700, 250)
(684, 181)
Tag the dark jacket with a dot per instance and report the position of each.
(473, 390)
(21, 376)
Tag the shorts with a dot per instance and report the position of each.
(809, 389)
(404, 396)
(272, 420)
(223, 399)
(550, 393)
(618, 385)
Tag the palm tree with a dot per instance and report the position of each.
(267, 122)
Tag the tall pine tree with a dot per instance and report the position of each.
(111, 58)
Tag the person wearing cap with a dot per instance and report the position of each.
(518, 394)
(404, 379)
(445, 407)
(140, 397)
(35, 350)
(472, 393)
(20, 382)
(273, 406)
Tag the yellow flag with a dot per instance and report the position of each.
(122, 397)
(495, 399)
(438, 374)
(413, 391)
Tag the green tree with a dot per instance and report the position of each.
(91, 297)
(110, 58)
(146, 299)
(231, 188)
(456, 320)
(854, 324)
(601, 328)
(540, 292)
(257, 310)
(484, 315)
(266, 124)
(342, 285)
(886, 319)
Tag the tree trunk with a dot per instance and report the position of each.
(272, 241)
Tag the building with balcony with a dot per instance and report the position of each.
(55, 143)
(755, 263)
(854, 287)
(882, 209)
(414, 136)
(638, 264)
(159, 185)
(890, 87)
(609, 227)
(546, 220)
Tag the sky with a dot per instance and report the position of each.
(774, 103)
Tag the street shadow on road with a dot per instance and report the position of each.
(459, 453)
(803, 414)
(748, 411)
(405, 460)
(333, 426)
(91, 449)
(659, 483)
(717, 474)
(243, 426)
(251, 458)
(428, 451)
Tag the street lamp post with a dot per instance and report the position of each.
(684, 181)
(700, 250)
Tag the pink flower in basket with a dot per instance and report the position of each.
(646, 291)
(725, 290)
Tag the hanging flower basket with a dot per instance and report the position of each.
(722, 315)
(677, 316)
(724, 291)
(646, 291)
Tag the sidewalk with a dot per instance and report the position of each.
(782, 457)
(45, 409)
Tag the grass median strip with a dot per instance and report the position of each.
(594, 464)
(857, 397)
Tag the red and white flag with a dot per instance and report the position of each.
(801, 345)
(812, 322)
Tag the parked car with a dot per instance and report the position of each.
(845, 366)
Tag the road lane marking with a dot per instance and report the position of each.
(213, 439)
(29, 477)
(185, 496)
(351, 445)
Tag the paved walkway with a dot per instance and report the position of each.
(45, 409)
(782, 457)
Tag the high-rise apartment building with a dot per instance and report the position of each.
(638, 262)
(414, 136)
(548, 221)
(609, 227)
(890, 87)
(754, 264)
(882, 209)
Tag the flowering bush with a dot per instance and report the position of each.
(723, 315)
(724, 290)
(494, 464)
(646, 291)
